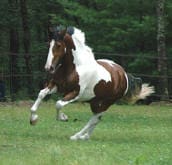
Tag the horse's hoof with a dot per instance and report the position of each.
(34, 120)
(74, 138)
(84, 137)
(62, 117)
(80, 137)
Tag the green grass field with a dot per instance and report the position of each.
(127, 135)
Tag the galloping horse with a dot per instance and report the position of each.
(79, 77)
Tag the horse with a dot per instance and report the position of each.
(78, 76)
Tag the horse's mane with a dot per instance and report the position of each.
(83, 52)
(79, 35)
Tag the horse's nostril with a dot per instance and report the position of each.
(49, 69)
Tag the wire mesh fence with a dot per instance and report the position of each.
(23, 85)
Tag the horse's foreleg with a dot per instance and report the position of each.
(70, 97)
(86, 132)
(44, 92)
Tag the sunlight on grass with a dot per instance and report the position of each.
(127, 135)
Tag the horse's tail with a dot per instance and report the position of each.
(146, 90)
(137, 90)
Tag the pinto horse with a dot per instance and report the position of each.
(79, 77)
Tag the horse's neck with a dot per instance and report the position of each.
(68, 62)
(83, 57)
(83, 54)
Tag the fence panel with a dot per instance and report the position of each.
(14, 85)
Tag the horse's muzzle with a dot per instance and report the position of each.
(52, 68)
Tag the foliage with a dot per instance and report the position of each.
(111, 26)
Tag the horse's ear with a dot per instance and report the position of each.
(63, 32)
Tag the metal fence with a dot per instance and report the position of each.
(38, 75)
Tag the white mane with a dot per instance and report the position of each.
(82, 54)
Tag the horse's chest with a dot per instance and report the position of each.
(68, 82)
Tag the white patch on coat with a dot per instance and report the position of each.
(90, 72)
(110, 62)
(50, 55)
(82, 54)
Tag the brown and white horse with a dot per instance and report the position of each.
(79, 77)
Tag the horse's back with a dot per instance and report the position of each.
(118, 78)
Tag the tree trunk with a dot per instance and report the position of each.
(26, 44)
(142, 41)
(14, 49)
(161, 48)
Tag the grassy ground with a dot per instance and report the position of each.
(127, 135)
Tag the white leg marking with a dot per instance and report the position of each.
(41, 96)
(59, 105)
(60, 115)
(86, 132)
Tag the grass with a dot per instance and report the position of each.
(127, 135)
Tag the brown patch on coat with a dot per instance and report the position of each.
(106, 93)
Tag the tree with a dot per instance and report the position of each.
(14, 47)
(161, 49)
(111, 27)
(26, 44)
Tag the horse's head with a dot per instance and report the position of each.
(60, 41)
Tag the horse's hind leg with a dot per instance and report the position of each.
(86, 132)
(44, 92)
(97, 107)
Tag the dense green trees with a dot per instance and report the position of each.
(161, 48)
(112, 27)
